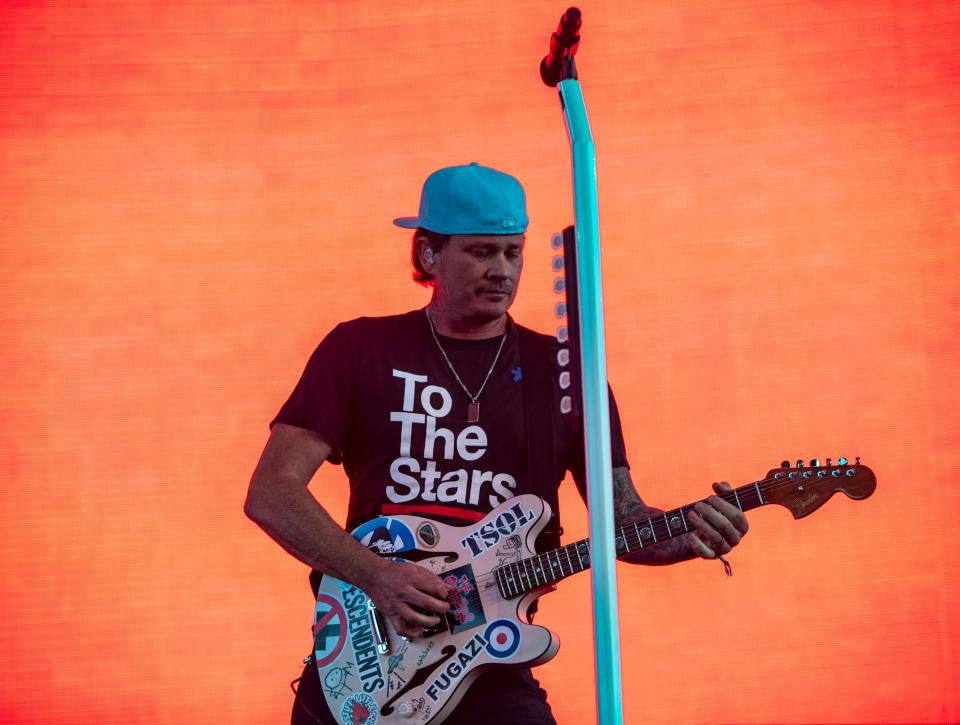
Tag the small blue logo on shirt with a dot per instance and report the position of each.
(517, 374)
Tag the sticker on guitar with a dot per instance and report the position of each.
(360, 709)
(466, 609)
(329, 630)
(385, 535)
(335, 680)
(362, 640)
(489, 533)
(395, 666)
(509, 551)
(503, 638)
(456, 667)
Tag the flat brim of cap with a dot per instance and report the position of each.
(407, 222)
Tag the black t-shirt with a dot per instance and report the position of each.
(380, 392)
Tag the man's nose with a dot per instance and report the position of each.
(499, 267)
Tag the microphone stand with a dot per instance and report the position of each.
(593, 367)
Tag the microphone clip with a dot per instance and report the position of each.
(558, 64)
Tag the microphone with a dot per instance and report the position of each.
(563, 43)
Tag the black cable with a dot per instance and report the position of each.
(296, 695)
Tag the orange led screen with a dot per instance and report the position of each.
(193, 194)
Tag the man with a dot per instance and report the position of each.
(426, 413)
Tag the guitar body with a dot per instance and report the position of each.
(422, 680)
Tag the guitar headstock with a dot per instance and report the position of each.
(805, 488)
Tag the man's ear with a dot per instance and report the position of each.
(425, 252)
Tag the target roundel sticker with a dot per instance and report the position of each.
(503, 638)
(329, 629)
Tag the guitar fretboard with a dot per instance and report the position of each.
(520, 577)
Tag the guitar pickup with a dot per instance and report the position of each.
(439, 628)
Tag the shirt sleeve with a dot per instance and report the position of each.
(323, 400)
(618, 449)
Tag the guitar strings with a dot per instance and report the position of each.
(630, 536)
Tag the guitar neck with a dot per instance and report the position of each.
(535, 572)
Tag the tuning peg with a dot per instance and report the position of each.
(842, 461)
(829, 462)
(559, 285)
(562, 334)
(858, 460)
(785, 464)
(563, 356)
(815, 462)
(556, 241)
(799, 463)
(560, 310)
(557, 263)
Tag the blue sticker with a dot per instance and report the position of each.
(385, 535)
(503, 638)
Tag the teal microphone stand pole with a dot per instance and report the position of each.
(593, 366)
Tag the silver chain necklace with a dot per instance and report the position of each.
(473, 410)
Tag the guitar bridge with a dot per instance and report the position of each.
(378, 628)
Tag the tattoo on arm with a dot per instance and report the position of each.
(629, 507)
(627, 504)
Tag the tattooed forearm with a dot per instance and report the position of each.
(629, 507)
(627, 504)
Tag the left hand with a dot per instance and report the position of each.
(719, 525)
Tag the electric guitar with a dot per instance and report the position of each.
(370, 674)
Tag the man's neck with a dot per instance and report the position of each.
(450, 325)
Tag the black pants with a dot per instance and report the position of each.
(499, 696)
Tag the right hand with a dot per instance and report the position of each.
(402, 590)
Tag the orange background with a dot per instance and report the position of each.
(194, 193)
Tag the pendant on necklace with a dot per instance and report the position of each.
(473, 413)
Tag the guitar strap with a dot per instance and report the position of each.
(539, 415)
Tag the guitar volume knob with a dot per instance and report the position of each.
(405, 709)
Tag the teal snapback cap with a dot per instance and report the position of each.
(470, 199)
